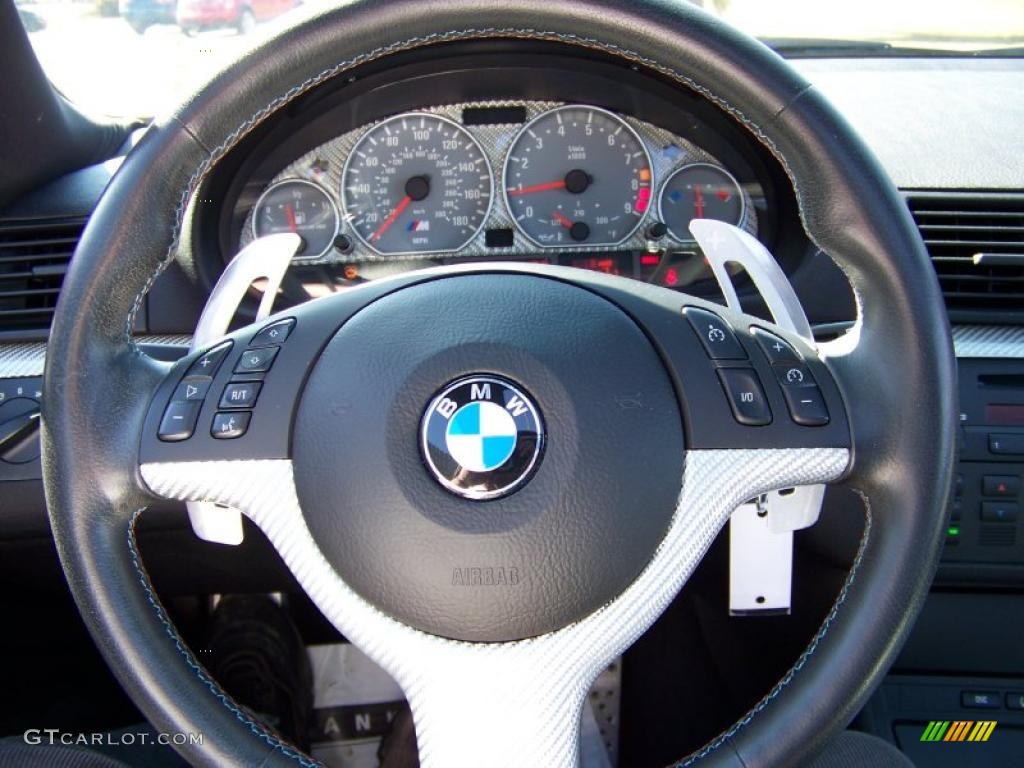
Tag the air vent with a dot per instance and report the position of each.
(976, 242)
(34, 256)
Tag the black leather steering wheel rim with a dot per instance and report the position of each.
(899, 360)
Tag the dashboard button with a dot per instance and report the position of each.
(999, 511)
(746, 397)
(1002, 444)
(1000, 485)
(1015, 700)
(775, 349)
(179, 421)
(256, 360)
(208, 363)
(241, 395)
(714, 333)
(274, 333)
(980, 699)
(194, 388)
(806, 405)
(228, 426)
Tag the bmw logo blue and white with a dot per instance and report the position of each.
(482, 437)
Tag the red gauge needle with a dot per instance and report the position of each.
(700, 203)
(289, 211)
(561, 220)
(402, 205)
(517, 191)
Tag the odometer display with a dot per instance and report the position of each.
(416, 183)
(577, 176)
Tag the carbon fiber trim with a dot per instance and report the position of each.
(324, 164)
(988, 340)
(501, 704)
(23, 359)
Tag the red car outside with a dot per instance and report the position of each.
(193, 16)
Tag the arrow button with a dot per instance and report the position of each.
(193, 388)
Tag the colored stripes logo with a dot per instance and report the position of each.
(958, 730)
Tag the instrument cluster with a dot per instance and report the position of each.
(553, 181)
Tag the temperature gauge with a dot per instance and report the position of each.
(699, 191)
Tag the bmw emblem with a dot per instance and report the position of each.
(482, 437)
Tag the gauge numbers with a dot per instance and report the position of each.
(416, 183)
(577, 176)
(302, 207)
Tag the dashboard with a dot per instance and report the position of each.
(478, 156)
(506, 179)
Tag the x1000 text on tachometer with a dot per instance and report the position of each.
(577, 176)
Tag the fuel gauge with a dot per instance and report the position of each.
(302, 207)
(699, 191)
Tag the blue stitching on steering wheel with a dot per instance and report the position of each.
(255, 726)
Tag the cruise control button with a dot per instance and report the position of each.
(715, 335)
(208, 363)
(194, 388)
(999, 511)
(256, 360)
(775, 349)
(241, 395)
(806, 405)
(179, 421)
(794, 375)
(746, 397)
(227, 426)
(274, 333)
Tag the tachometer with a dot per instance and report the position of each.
(577, 175)
(699, 191)
(299, 206)
(416, 183)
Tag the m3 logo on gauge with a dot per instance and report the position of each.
(416, 183)
(577, 175)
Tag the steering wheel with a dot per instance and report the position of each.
(495, 592)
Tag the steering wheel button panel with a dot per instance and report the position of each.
(179, 421)
(275, 333)
(227, 426)
(256, 360)
(746, 396)
(209, 362)
(715, 335)
(775, 348)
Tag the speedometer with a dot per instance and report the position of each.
(416, 183)
(577, 175)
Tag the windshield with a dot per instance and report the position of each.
(138, 58)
